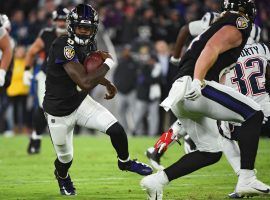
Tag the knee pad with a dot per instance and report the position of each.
(64, 153)
(65, 158)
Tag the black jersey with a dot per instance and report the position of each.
(62, 96)
(47, 35)
(224, 60)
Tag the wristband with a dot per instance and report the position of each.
(110, 63)
(175, 60)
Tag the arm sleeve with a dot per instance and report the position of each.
(63, 53)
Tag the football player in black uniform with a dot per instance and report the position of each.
(198, 101)
(42, 43)
(67, 102)
(6, 49)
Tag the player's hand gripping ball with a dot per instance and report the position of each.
(93, 61)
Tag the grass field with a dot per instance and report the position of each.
(96, 175)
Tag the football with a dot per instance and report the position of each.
(93, 61)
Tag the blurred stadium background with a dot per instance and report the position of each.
(140, 34)
(134, 31)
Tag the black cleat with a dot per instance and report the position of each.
(65, 185)
(136, 167)
(34, 146)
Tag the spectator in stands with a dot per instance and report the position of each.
(17, 91)
(124, 78)
(148, 94)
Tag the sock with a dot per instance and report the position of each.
(245, 174)
(232, 152)
(119, 141)
(190, 163)
(39, 121)
(34, 136)
(249, 139)
(62, 168)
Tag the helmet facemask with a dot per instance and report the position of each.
(82, 17)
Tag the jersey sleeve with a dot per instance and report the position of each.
(241, 23)
(43, 34)
(197, 27)
(63, 52)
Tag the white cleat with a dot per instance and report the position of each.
(251, 187)
(154, 184)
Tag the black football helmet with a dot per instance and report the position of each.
(60, 13)
(82, 15)
(245, 6)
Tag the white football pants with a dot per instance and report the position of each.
(198, 117)
(89, 114)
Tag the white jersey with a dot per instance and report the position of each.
(248, 75)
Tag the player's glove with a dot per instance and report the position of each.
(195, 90)
(2, 77)
(175, 61)
(164, 141)
(27, 77)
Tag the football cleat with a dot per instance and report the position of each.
(65, 185)
(136, 167)
(154, 184)
(251, 187)
(34, 146)
(154, 158)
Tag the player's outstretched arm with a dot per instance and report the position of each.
(180, 41)
(85, 81)
(34, 49)
(223, 40)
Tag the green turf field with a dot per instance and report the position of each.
(96, 175)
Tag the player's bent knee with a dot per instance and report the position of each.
(116, 128)
(258, 116)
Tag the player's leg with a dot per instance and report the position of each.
(39, 121)
(61, 132)
(175, 132)
(39, 125)
(204, 133)
(93, 115)
(223, 103)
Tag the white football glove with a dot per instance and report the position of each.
(195, 90)
(175, 61)
(27, 77)
(2, 77)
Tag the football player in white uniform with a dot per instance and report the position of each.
(247, 77)
(6, 49)
(203, 130)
